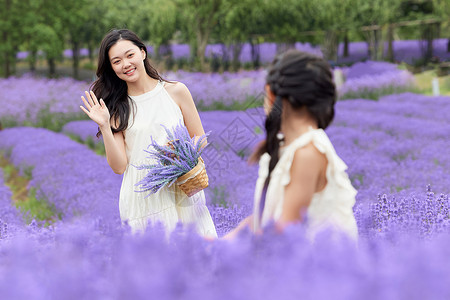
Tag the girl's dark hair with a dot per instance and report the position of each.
(304, 80)
(111, 88)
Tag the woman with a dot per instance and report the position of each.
(134, 102)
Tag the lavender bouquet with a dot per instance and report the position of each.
(174, 159)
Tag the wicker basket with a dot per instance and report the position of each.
(195, 180)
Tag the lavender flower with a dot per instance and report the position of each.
(173, 160)
(53, 161)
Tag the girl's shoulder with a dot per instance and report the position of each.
(308, 160)
(306, 151)
(310, 151)
(315, 139)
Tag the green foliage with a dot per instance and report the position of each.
(38, 209)
(219, 197)
(89, 66)
(197, 18)
(45, 119)
(11, 32)
(250, 102)
(8, 171)
(24, 199)
(97, 147)
(51, 26)
(378, 93)
(243, 153)
(54, 121)
(156, 20)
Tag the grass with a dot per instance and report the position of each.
(423, 85)
(97, 147)
(424, 79)
(45, 119)
(219, 196)
(63, 69)
(250, 102)
(25, 199)
(378, 93)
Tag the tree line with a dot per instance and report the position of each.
(50, 26)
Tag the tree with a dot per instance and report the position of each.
(157, 23)
(334, 17)
(31, 20)
(96, 25)
(73, 15)
(245, 21)
(374, 15)
(285, 19)
(422, 10)
(45, 31)
(441, 8)
(391, 15)
(198, 18)
(11, 32)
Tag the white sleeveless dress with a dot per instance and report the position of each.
(329, 208)
(170, 205)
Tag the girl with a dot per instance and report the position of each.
(134, 102)
(300, 173)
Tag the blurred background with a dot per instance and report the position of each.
(57, 38)
(60, 231)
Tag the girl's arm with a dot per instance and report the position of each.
(114, 143)
(307, 177)
(247, 222)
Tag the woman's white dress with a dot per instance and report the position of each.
(170, 205)
(329, 208)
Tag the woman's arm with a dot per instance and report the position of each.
(308, 176)
(114, 143)
(115, 149)
(181, 95)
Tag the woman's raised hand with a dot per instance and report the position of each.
(96, 110)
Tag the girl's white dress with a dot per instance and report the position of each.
(170, 205)
(329, 208)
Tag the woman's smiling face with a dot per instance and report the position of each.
(127, 60)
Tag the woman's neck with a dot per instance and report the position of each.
(296, 123)
(141, 86)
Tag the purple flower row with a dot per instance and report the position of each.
(226, 88)
(64, 173)
(393, 145)
(393, 81)
(9, 215)
(394, 148)
(82, 260)
(83, 129)
(26, 99)
(74, 179)
(406, 50)
(56, 98)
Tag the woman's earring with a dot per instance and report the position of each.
(280, 137)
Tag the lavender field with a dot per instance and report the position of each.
(51, 103)
(397, 157)
(408, 51)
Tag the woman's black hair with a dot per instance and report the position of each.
(111, 88)
(304, 80)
